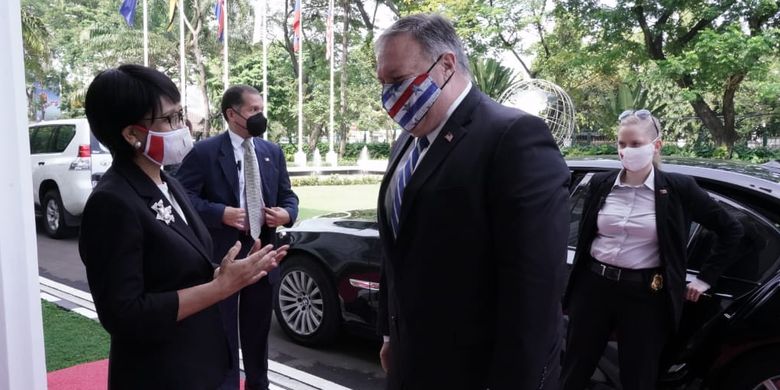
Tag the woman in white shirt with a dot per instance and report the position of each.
(629, 269)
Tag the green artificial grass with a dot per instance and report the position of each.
(318, 200)
(71, 339)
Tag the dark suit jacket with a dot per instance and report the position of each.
(470, 291)
(678, 201)
(135, 264)
(210, 175)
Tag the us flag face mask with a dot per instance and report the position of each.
(408, 101)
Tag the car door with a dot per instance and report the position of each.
(41, 138)
(755, 260)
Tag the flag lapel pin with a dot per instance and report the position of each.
(448, 136)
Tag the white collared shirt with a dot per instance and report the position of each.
(431, 137)
(627, 235)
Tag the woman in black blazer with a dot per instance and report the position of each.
(630, 265)
(146, 251)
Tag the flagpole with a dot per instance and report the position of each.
(265, 60)
(182, 60)
(146, 36)
(300, 155)
(225, 67)
(330, 158)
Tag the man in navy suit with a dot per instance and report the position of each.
(473, 219)
(222, 176)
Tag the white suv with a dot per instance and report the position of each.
(67, 162)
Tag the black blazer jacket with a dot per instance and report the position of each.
(678, 201)
(135, 264)
(470, 290)
(210, 175)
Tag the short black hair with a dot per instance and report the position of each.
(234, 97)
(120, 97)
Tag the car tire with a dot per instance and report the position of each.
(54, 215)
(306, 304)
(757, 371)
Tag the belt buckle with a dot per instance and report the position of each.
(611, 273)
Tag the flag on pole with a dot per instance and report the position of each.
(171, 13)
(219, 12)
(297, 26)
(329, 35)
(128, 11)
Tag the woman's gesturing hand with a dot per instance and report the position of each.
(234, 274)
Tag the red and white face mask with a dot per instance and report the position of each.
(167, 147)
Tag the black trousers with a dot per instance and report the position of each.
(640, 318)
(247, 314)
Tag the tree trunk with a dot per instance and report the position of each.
(314, 136)
(344, 58)
(199, 63)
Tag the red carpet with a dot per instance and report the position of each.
(87, 376)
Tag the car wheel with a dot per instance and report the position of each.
(306, 305)
(54, 215)
(757, 371)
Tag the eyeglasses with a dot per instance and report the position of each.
(643, 114)
(175, 120)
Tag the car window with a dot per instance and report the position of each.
(577, 201)
(40, 139)
(758, 253)
(62, 138)
(96, 146)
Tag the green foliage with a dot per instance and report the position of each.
(334, 180)
(494, 79)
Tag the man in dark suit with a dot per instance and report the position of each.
(473, 216)
(239, 185)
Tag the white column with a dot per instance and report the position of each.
(22, 360)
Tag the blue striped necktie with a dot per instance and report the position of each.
(404, 176)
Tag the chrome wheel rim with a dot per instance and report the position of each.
(772, 383)
(52, 215)
(300, 301)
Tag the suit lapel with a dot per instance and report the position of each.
(149, 191)
(265, 174)
(661, 209)
(227, 161)
(403, 143)
(454, 130)
(193, 231)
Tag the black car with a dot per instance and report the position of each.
(728, 340)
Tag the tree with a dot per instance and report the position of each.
(706, 48)
(494, 79)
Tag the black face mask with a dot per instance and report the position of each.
(256, 124)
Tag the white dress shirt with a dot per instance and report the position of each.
(627, 235)
(238, 152)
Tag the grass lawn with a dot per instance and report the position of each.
(70, 338)
(317, 200)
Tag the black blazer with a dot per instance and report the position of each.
(678, 201)
(135, 264)
(210, 175)
(470, 291)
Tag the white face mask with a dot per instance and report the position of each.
(168, 147)
(636, 159)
